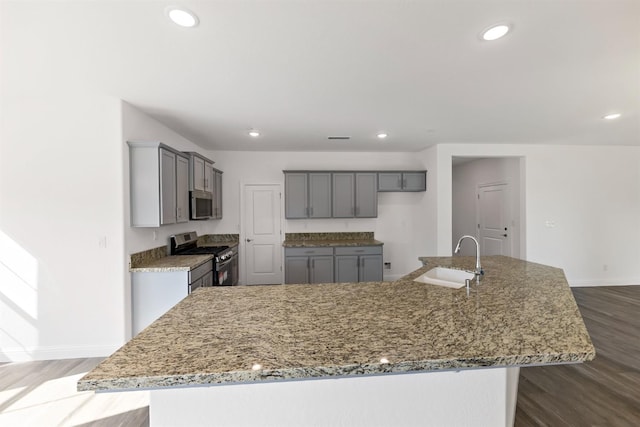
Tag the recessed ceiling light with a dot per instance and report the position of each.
(182, 16)
(612, 116)
(254, 133)
(495, 32)
(382, 135)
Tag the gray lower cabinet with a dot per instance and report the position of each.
(358, 264)
(355, 195)
(308, 265)
(402, 181)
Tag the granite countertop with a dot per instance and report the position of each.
(522, 313)
(171, 263)
(306, 240)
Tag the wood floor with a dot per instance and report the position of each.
(43, 393)
(604, 392)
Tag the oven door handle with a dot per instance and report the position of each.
(224, 263)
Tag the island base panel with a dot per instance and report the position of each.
(463, 398)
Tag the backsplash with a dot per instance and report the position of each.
(361, 235)
(218, 238)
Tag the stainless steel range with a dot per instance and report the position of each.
(225, 261)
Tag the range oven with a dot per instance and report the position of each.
(225, 258)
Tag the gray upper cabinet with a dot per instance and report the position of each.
(307, 195)
(216, 177)
(344, 195)
(355, 195)
(209, 177)
(320, 195)
(402, 181)
(182, 189)
(167, 187)
(159, 192)
(295, 197)
(366, 195)
(202, 176)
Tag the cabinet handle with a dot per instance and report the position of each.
(404, 182)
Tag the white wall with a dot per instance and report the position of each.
(60, 226)
(591, 195)
(465, 180)
(397, 212)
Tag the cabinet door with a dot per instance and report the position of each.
(198, 173)
(321, 269)
(414, 181)
(209, 179)
(370, 268)
(389, 181)
(167, 187)
(296, 270)
(182, 189)
(366, 195)
(343, 195)
(217, 195)
(346, 268)
(320, 195)
(295, 189)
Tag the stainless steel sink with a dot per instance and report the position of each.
(443, 276)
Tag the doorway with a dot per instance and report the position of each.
(487, 197)
(262, 234)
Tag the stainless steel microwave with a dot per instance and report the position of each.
(201, 205)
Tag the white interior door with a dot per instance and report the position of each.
(262, 234)
(493, 219)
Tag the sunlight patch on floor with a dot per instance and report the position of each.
(56, 402)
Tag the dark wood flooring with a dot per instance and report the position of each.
(603, 392)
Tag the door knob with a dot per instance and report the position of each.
(249, 240)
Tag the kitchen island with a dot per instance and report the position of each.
(375, 353)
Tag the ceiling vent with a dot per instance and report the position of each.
(338, 137)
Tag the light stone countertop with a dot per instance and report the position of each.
(171, 263)
(522, 313)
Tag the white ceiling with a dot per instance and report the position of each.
(300, 71)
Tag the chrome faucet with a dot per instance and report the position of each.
(478, 271)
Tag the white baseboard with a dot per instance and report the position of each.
(55, 352)
(604, 282)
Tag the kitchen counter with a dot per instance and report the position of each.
(171, 263)
(521, 314)
(305, 240)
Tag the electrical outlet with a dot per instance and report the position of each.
(387, 266)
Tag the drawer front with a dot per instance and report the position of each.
(359, 250)
(308, 251)
(200, 271)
